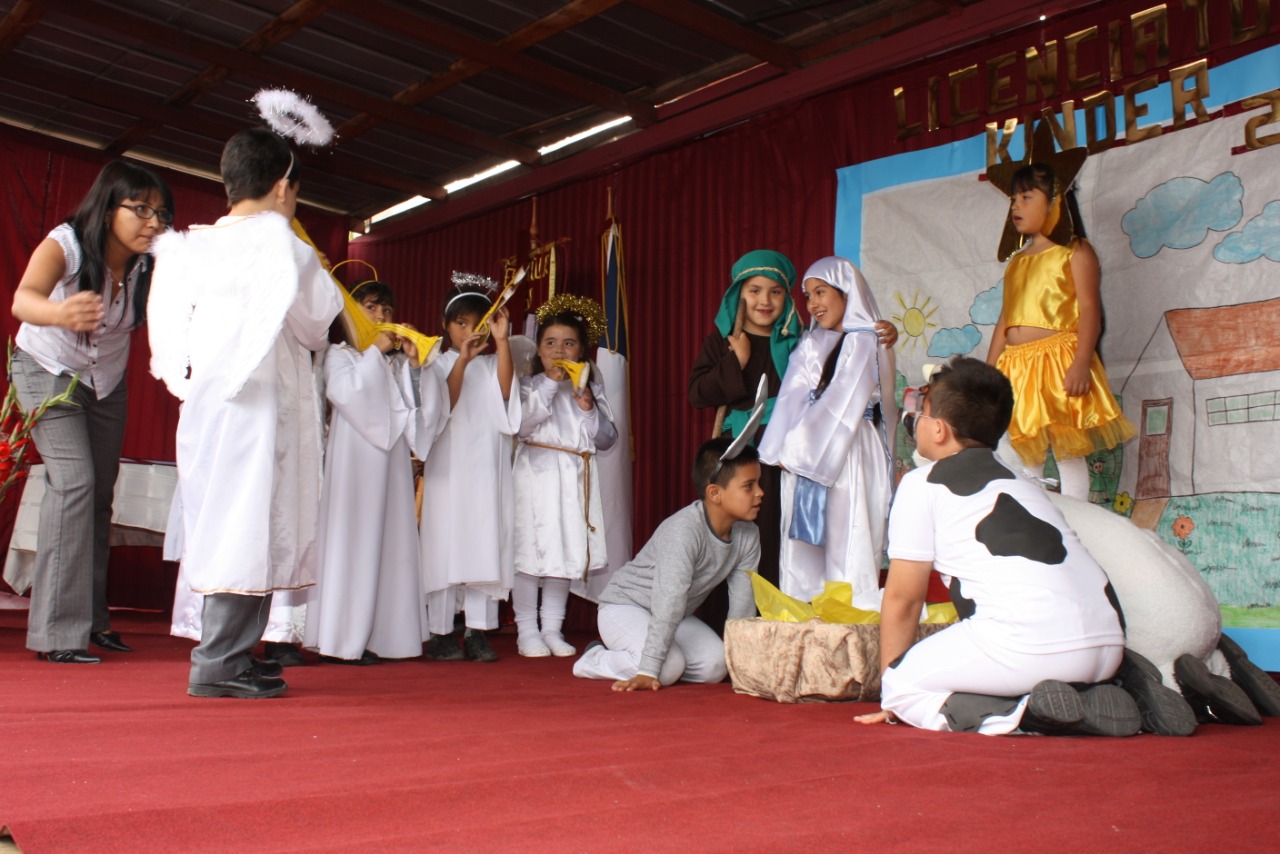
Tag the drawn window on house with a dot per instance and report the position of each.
(1157, 420)
(1244, 408)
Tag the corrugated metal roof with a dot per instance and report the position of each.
(422, 92)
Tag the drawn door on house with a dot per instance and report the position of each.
(1153, 449)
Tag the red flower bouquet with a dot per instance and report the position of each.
(15, 429)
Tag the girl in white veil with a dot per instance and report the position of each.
(832, 432)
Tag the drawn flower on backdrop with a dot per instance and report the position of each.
(1123, 504)
(1182, 528)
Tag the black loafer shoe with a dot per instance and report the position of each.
(249, 685)
(69, 656)
(109, 641)
(286, 654)
(368, 657)
(267, 668)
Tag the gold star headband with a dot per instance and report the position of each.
(585, 308)
(1066, 165)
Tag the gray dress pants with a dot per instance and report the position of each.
(80, 445)
(231, 624)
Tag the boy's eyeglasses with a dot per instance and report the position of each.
(147, 212)
(913, 408)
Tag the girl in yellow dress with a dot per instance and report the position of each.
(1046, 340)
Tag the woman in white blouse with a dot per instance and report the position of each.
(83, 293)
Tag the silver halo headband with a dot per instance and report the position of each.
(457, 297)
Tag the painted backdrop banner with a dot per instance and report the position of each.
(1187, 228)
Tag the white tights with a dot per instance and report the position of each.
(1073, 477)
(524, 600)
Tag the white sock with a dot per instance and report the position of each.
(555, 597)
(1074, 476)
(524, 601)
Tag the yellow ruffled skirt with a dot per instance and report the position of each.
(1044, 416)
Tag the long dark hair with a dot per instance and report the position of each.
(119, 181)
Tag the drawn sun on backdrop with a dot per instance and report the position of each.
(914, 321)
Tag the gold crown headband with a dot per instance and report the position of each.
(584, 308)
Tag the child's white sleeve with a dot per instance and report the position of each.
(792, 399)
(362, 390)
(536, 395)
(819, 444)
(433, 410)
(912, 521)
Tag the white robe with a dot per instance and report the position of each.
(467, 501)
(829, 441)
(369, 590)
(243, 304)
(552, 535)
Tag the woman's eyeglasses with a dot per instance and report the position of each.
(147, 212)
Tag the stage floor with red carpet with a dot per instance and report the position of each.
(520, 756)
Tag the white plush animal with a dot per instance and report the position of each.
(1169, 610)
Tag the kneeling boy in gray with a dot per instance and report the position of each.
(651, 637)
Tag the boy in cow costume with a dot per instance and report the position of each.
(1041, 627)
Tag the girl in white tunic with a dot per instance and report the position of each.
(559, 533)
(367, 602)
(831, 431)
(467, 501)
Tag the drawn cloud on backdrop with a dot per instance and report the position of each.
(1260, 237)
(954, 342)
(1181, 212)
(987, 305)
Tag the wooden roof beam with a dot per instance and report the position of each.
(173, 39)
(879, 28)
(49, 79)
(277, 30)
(24, 15)
(721, 29)
(495, 56)
(558, 21)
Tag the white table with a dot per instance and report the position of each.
(139, 517)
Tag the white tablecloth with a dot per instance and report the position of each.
(139, 515)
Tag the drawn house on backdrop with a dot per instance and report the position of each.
(1205, 395)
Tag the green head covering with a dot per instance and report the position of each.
(786, 329)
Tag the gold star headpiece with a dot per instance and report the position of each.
(1066, 165)
(585, 308)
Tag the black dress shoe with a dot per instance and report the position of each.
(266, 667)
(110, 641)
(366, 658)
(69, 656)
(286, 653)
(249, 685)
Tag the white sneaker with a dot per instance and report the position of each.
(532, 646)
(558, 646)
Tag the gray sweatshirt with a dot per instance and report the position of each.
(677, 569)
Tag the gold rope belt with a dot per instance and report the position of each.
(586, 475)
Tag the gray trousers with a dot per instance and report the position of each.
(231, 625)
(80, 445)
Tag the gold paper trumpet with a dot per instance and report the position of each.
(499, 301)
(578, 373)
(360, 329)
(428, 346)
